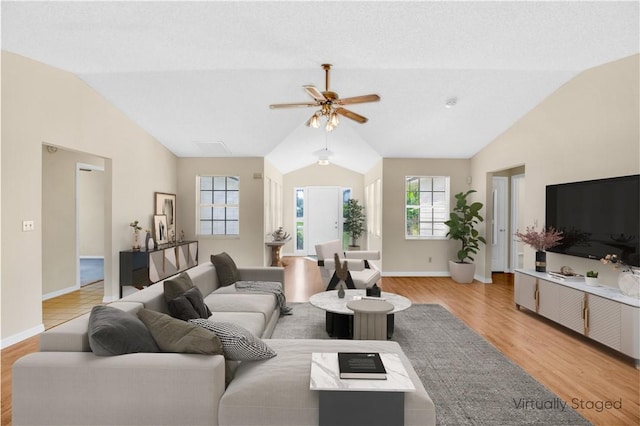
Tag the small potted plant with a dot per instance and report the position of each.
(541, 241)
(591, 278)
(461, 223)
(354, 221)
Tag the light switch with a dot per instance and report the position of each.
(27, 225)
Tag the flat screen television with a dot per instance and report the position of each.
(597, 217)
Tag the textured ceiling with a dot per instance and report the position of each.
(199, 76)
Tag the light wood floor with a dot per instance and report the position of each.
(580, 372)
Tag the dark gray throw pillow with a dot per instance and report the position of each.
(194, 295)
(181, 308)
(226, 269)
(115, 332)
(177, 286)
(173, 335)
(189, 305)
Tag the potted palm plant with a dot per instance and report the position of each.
(354, 221)
(462, 222)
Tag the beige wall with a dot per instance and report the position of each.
(246, 250)
(59, 236)
(587, 129)
(316, 175)
(42, 104)
(375, 241)
(273, 205)
(411, 257)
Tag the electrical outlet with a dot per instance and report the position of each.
(27, 225)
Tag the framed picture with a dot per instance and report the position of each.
(166, 205)
(160, 230)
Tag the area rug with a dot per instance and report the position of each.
(468, 379)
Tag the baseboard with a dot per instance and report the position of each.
(91, 257)
(60, 292)
(16, 338)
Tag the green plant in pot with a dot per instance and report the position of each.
(462, 222)
(354, 221)
(591, 278)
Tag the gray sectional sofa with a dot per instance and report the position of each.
(67, 384)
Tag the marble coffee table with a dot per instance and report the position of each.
(339, 318)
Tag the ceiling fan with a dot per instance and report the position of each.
(330, 104)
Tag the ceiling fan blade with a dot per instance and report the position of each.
(358, 100)
(315, 93)
(294, 105)
(352, 115)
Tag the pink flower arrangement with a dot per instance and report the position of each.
(540, 240)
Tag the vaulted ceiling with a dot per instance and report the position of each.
(199, 76)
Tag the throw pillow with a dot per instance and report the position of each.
(177, 286)
(174, 335)
(226, 269)
(194, 295)
(189, 305)
(237, 342)
(115, 332)
(181, 308)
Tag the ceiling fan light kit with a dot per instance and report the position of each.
(327, 102)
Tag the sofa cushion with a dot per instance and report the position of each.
(252, 321)
(263, 303)
(238, 343)
(174, 335)
(115, 332)
(226, 269)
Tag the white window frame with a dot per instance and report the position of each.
(446, 207)
(199, 205)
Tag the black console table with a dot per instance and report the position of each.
(141, 268)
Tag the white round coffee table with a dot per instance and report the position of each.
(339, 318)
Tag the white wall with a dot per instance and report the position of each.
(45, 105)
(91, 213)
(587, 129)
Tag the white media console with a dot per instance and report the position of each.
(603, 314)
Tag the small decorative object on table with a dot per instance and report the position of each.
(280, 234)
(341, 291)
(629, 278)
(136, 234)
(540, 241)
(373, 291)
(147, 240)
(591, 278)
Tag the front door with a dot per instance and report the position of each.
(324, 219)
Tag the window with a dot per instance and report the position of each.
(426, 206)
(219, 205)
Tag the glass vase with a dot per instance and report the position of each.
(629, 283)
(136, 240)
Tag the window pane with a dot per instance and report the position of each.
(439, 184)
(439, 199)
(206, 182)
(425, 184)
(205, 227)
(218, 213)
(232, 228)
(426, 229)
(426, 199)
(206, 213)
(219, 197)
(300, 203)
(232, 197)
(299, 235)
(233, 213)
(233, 183)
(218, 228)
(206, 197)
(412, 184)
(220, 183)
(413, 198)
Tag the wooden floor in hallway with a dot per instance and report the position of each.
(579, 371)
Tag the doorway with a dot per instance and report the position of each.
(89, 220)
(319, 216)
